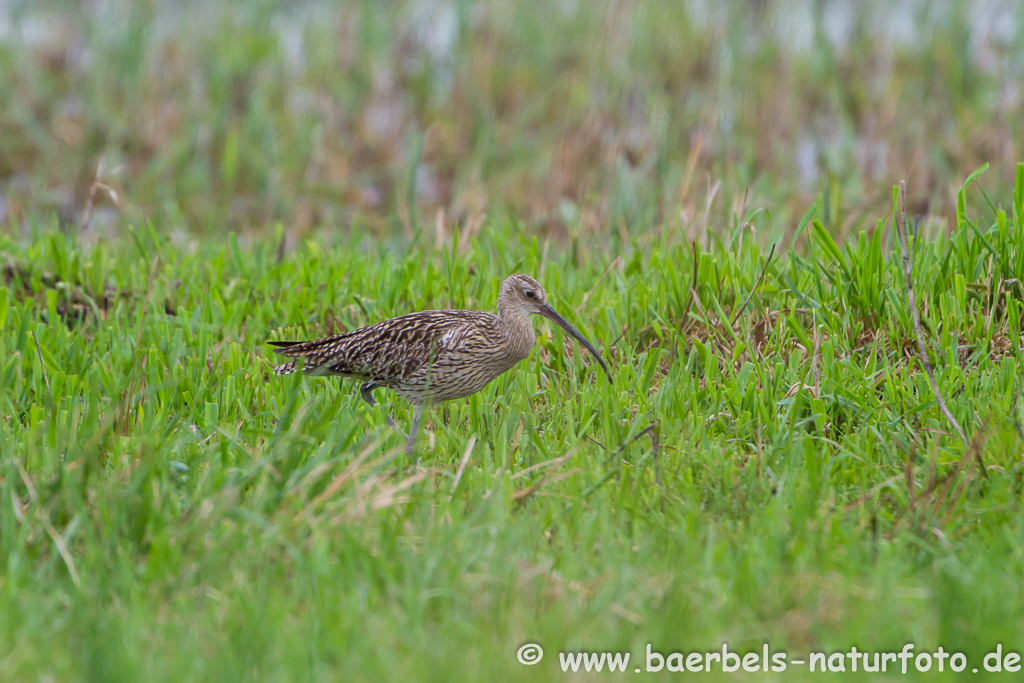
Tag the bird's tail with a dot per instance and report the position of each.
(285, 346)
(286, 369)
(313, 353)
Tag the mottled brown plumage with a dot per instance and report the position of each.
(434, 356)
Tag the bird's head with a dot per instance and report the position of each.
(523, 294)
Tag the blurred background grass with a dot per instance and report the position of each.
(609, 118)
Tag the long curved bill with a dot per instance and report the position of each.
(551, 314)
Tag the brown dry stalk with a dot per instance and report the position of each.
(902, 238)
(757, 285)
(689, 302)
(95, 189)
(62, 549)
(910, 478)
(946, 482)
(39, 352)
(462, 464)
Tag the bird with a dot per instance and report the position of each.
(429, 357)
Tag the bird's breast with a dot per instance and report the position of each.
(457, 374)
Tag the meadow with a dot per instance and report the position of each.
(797, 448)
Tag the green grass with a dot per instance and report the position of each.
(170, 512)
(706, 194)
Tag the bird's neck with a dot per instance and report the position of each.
(518, 329)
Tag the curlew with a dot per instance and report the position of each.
(430, 357)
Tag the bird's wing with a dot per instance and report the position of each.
(390, 350)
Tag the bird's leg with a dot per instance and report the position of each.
(366, 391)
(410, 443)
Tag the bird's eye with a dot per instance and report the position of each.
(529, 294)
